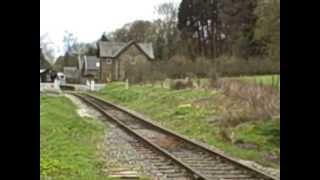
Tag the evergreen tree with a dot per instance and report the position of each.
(218, 26)
(267, 30)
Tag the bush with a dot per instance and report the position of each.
(181, 84)
(243, 102)
(156, 76)
(203, 67)
(272, 131)
(138, 73)
(233, 66)
(179, 67)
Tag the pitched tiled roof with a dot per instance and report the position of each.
(114, 49)
(91, 62)
(147, 48)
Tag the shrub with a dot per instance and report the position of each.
(156, 76)
(138, 73)
(203, 67)
(181, 84)
(247, 102)
(233, 66)
(179, 67)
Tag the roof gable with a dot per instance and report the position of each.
(109, 49)
(91, 63)
(115, 49)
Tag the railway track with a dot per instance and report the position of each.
(181, 158)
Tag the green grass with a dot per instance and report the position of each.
(271, 80)
(68, 143)
(189, 112)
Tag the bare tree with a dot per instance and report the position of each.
(166, 29)
(72, 45)
(70, 42)
(168, 11)
(47, 47)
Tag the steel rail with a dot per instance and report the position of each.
(196, 175)
(184, 138)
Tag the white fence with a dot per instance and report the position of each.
(78, 87)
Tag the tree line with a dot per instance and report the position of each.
(202, 28)
(198, 36)
(210, 28)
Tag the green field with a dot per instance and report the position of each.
(271, 80)
(68, 142)
(266, 80)
(180, 111)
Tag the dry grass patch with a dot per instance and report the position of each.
(242, 102)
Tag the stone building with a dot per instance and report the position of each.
(91, 67)
(115, 57)
(78, 67)
(72, 67)
(113, 61)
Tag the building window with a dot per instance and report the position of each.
(109, 61)
(97, 64)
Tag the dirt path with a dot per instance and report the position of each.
(83, 109)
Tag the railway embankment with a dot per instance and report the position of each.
(197, 114)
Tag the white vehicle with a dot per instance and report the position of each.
(61, 78)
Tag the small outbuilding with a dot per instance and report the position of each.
(91, 67)
(44, 75)
(72, 65)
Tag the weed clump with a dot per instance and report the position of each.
(181, 84)
(246, 102)
(243, 102)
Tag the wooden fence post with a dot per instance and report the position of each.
(127, 84)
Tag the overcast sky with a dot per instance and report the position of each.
(88, 19)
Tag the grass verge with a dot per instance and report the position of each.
(193, 113)
(270, 80)
(68, 142)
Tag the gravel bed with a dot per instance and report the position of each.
(129, 152)
(267, 170)
(271, 171)
(119, 151)
(117, 148)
